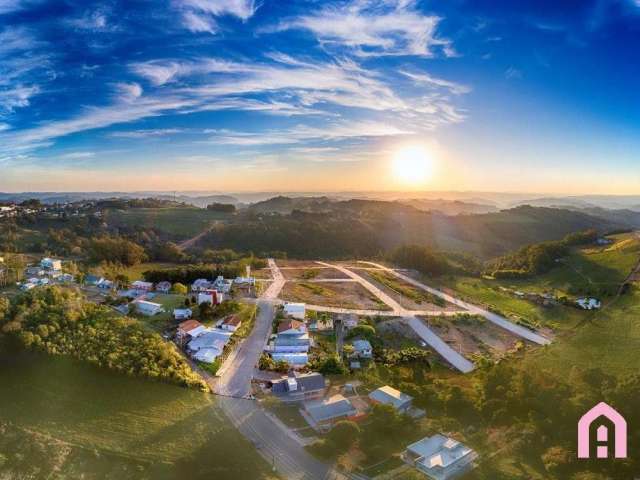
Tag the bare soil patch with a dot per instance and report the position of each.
(339, 294)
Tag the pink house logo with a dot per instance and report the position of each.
(602, 433)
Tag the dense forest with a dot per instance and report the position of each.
(60, 322)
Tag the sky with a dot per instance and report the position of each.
(271, 95)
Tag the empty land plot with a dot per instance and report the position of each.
(315, 273)
(350, 295)
(472, 334)
(304, 264)
(406, 294)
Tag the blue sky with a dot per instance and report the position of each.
(533, 96)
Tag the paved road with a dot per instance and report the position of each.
(290, 458)
(278, 281)
(383, 313)
(492, 317)
(235, 377)
(409, 316)
(439, 345)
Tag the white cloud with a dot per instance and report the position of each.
(128, 92)
(242, 9)
(427, 79)
(302, 133)
(157, 132)
(196, 22)
(9, 6)
(16, 97)
(17, 39)
(4, 126)
(375, 27)
(77, 155)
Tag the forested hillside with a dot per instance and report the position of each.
(365, 228)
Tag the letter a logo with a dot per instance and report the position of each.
(602, 433)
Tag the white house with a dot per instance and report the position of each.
(189, 329)
(245, 281)
(142, 286)
(51, 264)
(440, 457)
(105, 284)
(208, 345)
(201, 285)
(362, 349)
(182, 313)
(148, 308)
(231, 323)
(163, 287)
(212, 297)
(295, 310)
(390, 396)
(291, 327)
(589, 303)
(293, 359)
(222, 285)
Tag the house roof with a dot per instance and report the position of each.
(210, 339)
(390, 396)
(299, 358)
(361, 345)
(308, 382)
(188, 325)
(439, 451)
(148, 304)
(294, 307)
(164, 283)
(290, 324)
(330, 408)
(233, 320)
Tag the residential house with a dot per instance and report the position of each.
(182, 313)
(295, 360)
(323, 413)
(189, 330)
(142, 286)
(34, 271)
(201, 285)
(222, 285)
(105, 284)
(65, 278)
(362, 349)
(440, 457)
(212, 297)
(589, 303)
(231, 323)
(299, 387)
(51, 264)
(93, 280)
(208, 345)
(295, 310)
(292, 327)
(163, 287)
(350, 321)
(390, 396)
(148, 309)
(291, 343)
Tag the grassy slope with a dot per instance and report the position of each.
(178, 222)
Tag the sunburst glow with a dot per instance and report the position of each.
(412, 165)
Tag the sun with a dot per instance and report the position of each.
(412, 165)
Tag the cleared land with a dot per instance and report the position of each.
(339, 294)
(315, 273)
(404, 293)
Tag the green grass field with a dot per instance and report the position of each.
(180, 223)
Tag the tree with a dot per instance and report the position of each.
(179, 289)
(221, 207)
(343, 434)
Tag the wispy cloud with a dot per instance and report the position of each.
(148, 133)
(16, 97)
(242, 9)
(374, 27)
(77, 155)
(198, 22)
(427, 79)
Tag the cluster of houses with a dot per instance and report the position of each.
(439, 457)
(49, 270)
(206, 344)
(291, 342)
